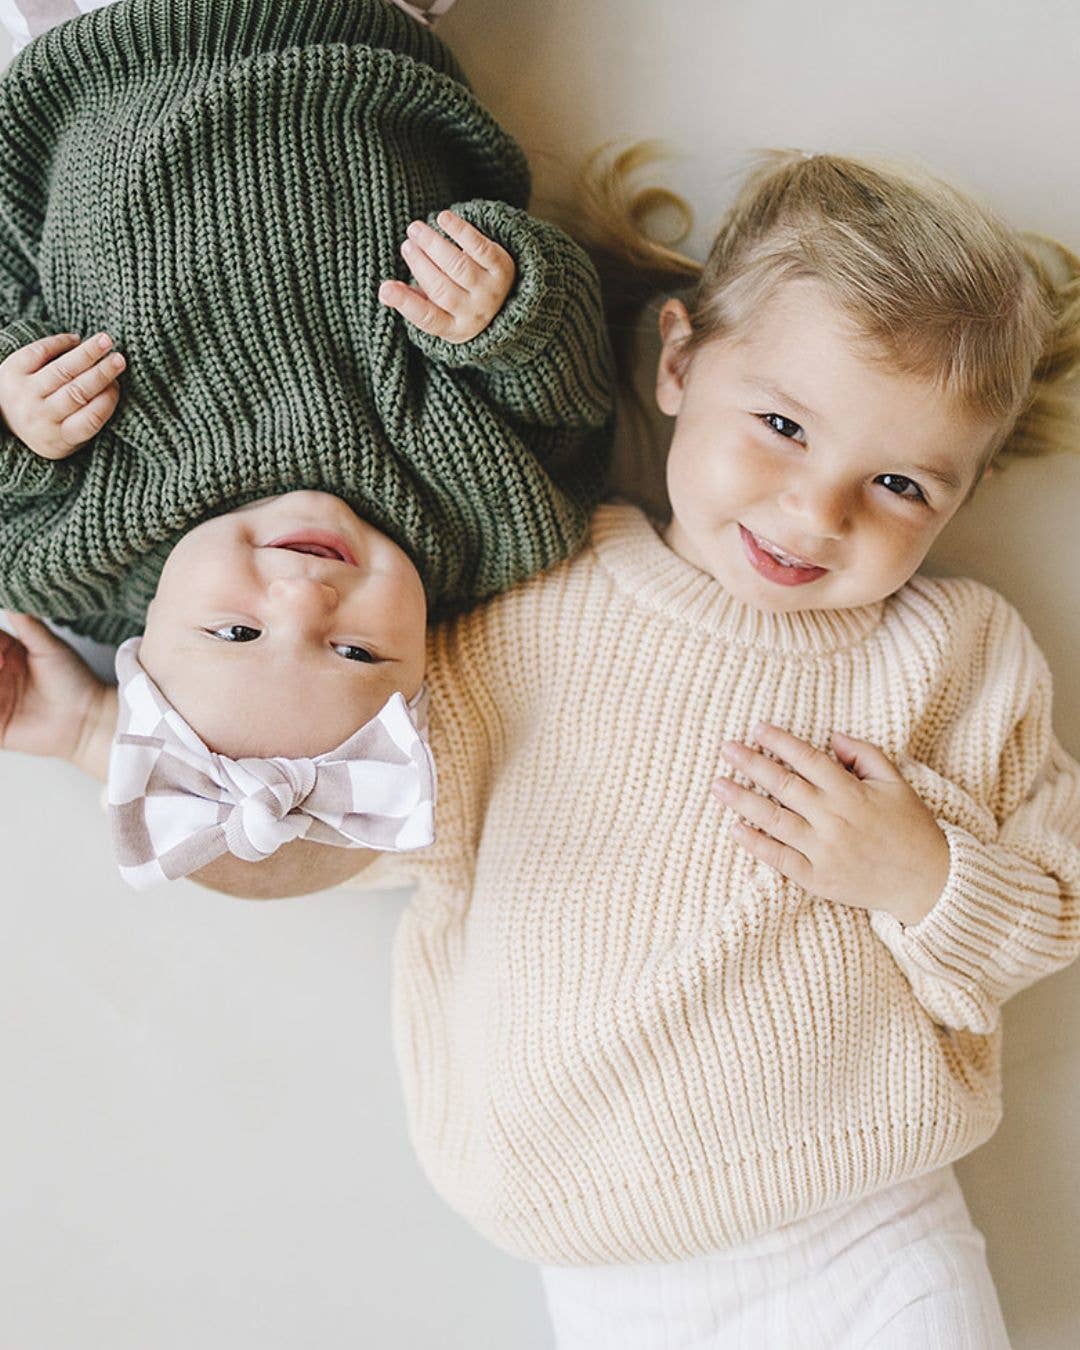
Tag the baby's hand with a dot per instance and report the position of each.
(58, 393)
(49, 699)
(462, 281)
(854, 831)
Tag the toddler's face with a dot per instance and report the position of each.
(281, 628)
(790, 442)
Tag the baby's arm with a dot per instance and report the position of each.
(543, 355)
(462, 279)
(57, 393)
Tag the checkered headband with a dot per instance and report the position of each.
(175, 805)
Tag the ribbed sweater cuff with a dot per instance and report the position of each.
(24, 475)
(962, 958)
(529, 318)
(20, 334)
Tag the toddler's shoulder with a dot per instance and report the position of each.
(974, 630)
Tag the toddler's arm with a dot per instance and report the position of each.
(543, 356)
(1010, 910)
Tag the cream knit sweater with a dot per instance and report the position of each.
(622, 1037)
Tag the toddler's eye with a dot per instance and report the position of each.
(783, 426)
(351, 653)
(898, 485)
(235, 632)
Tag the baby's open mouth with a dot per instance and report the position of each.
(317, 543)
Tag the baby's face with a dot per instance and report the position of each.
(791, 440)
(281, 628)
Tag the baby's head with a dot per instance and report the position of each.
(278, 630)
(859, 346)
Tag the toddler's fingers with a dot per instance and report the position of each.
(85, 424)
(81, 391)
(29, 360)
(65, 368)
(485, 252)
(416, 307)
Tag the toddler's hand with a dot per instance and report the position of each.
(58, 393)
(49, 699)
(853, 831)
(462, 281)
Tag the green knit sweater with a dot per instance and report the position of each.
(221, 185)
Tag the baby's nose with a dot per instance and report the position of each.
(303, 596)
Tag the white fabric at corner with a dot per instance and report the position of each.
(903, 1269)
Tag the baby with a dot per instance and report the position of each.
(307, 453)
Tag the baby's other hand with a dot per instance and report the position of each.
(49, 698)
(57, 393)
(461, 282)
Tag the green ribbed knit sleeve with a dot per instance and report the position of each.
(546, 354)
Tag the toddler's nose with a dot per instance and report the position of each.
(820, 510)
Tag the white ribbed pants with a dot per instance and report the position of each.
(903, 1269)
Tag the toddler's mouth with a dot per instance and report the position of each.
(317, 543)
(771, 562)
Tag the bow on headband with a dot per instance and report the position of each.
(175, 805)
(427, 11)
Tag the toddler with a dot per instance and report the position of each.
(746, 830)
(308, 452)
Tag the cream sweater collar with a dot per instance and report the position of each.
(630, 549)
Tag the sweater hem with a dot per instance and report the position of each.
(699, 1210)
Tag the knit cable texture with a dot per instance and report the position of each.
(222, 186)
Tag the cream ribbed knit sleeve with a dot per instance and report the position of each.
(1010, 910)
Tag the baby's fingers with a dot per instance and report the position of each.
(485, 252)
(70, 365)
(417, 308)
(85, 424)
(30, 359)
(81, 390)
(445, 273)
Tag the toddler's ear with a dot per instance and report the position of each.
(671, 370)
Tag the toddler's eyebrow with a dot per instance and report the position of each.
(772, 392)
(946, 477)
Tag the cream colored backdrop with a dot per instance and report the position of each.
(202, 1143)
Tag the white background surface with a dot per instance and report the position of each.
(202, 1144)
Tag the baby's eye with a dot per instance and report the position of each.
(898, 485)
(351, 653)
(235, 632)
(783, 426)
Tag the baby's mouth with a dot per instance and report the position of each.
(318, 544)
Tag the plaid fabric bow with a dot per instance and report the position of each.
(427, 11)
(175, 805)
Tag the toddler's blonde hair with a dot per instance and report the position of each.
(934, 283)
